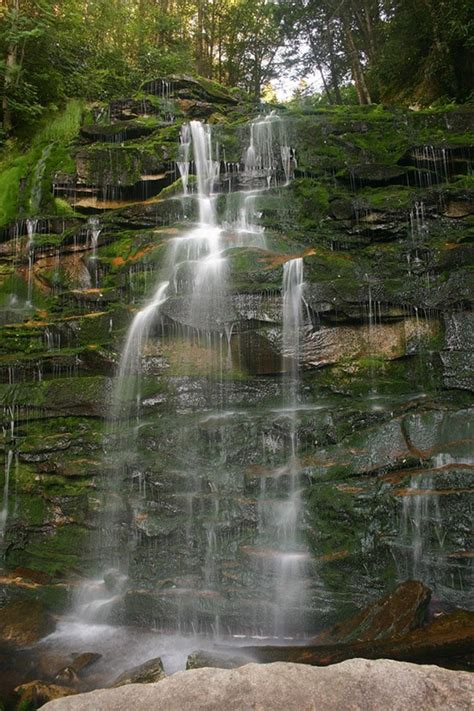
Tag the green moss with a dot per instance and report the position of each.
(389, 198)
(28, 169)
(57, 553)
(214, 89)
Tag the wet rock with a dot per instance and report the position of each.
(442, 640)
(24, 622)
(35, 694)
(399, 612)
(34, 576)
(457, 355)
(458, 209)
(357, 684)
(386, 340)
(146, 673)
(117, 132)
(376, 175)
(79, 664)
(186, 87)
(341, 209)
(196, 109)
(217, 660)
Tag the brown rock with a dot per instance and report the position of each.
(396, 614)
(37, 693)
(79, 663)
(35, 576)
(329, 345)
(147, 673)
(444, 639)
(24, 621)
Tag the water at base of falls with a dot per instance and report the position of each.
(211, 542)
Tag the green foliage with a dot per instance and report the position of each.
(27, 173)
(409, 51)
(103, 49)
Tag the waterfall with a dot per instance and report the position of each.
(422, 527)
(6, 487)
(37, 181)
(8, 436)
(183, 162)
(195, 278)
(292, 560)
(31, 225)
(267, 134)
(95, 230)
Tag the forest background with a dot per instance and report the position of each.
(408, 52)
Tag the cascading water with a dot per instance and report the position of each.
(285, 563)
(37, 181)
(9, 438)
(194, 280)
(95, 230)
(260, 158)
(31, 225)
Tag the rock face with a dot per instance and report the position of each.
(357, 684)
(381, 221)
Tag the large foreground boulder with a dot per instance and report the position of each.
(355, 684)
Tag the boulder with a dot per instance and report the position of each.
(146, 673)
(356, 684)
(37, 693)
(402, 610)
(79, 664)
(24, 622)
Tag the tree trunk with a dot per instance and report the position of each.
(10, 63)
(363, 94)
(332, 66)
(325, 84)
(199, 38)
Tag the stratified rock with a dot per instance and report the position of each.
(24, 622)
(117, 132)
(387, 340)
(37, 693)
(146, 673)
(399, 612)
(356, 684)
